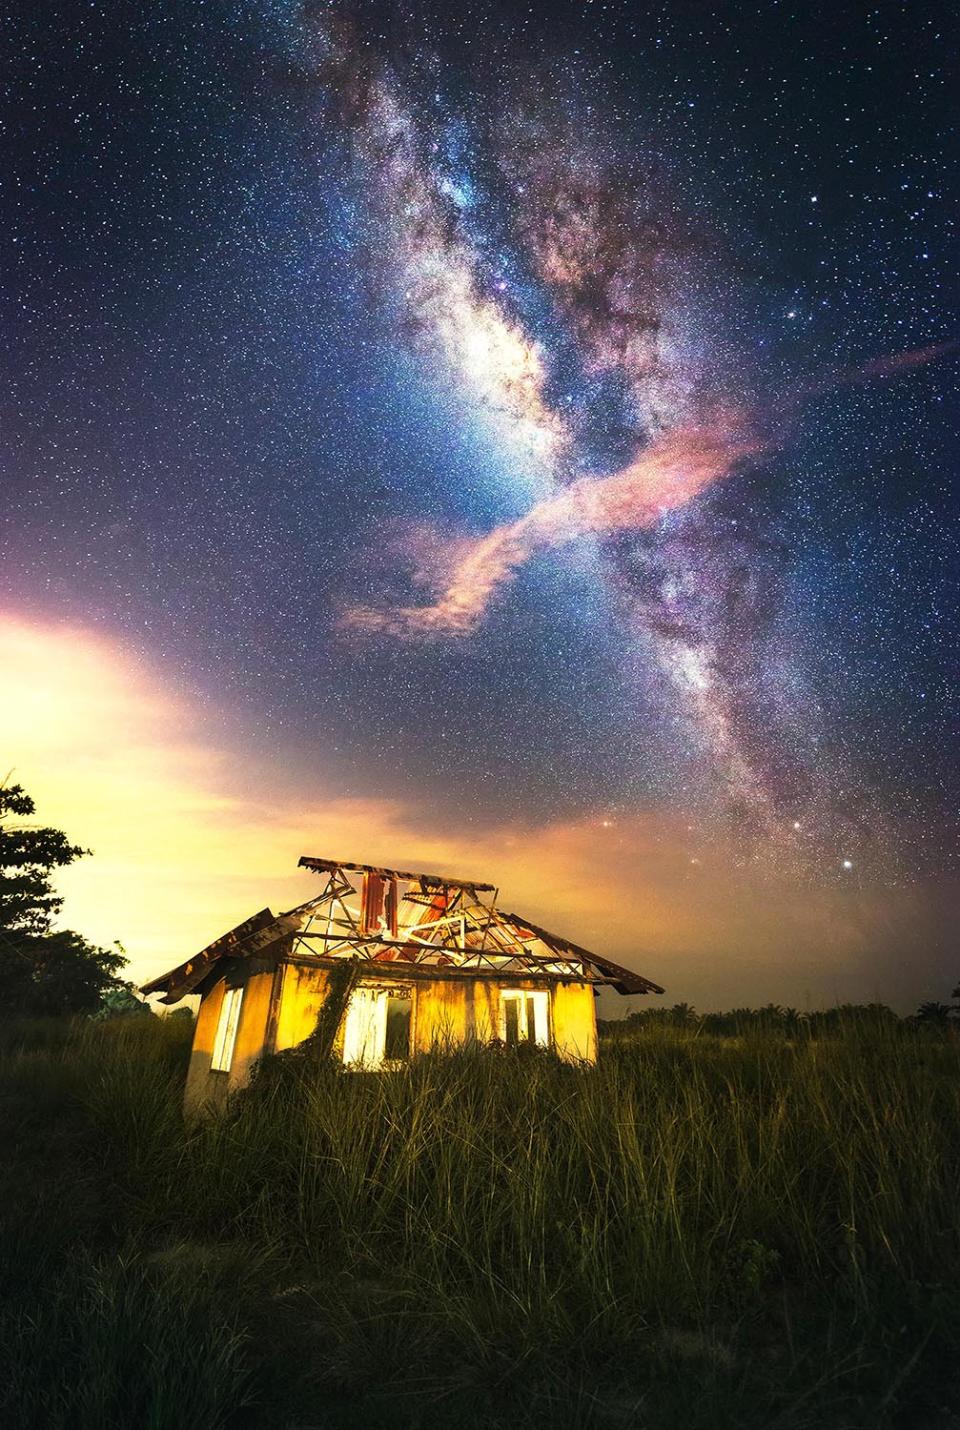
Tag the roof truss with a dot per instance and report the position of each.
(463, 930)
(427, 920)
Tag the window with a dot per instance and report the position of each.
(397, 1041)
(524, 1017)
(226, 1030)
(377, 1027)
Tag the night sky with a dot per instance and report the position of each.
(534, 426)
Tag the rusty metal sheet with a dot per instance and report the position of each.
(623, 979)
(252, 936)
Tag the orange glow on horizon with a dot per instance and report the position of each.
(190, 836)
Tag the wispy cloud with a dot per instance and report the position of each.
(666, 475)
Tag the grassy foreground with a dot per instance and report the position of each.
(700, 1232)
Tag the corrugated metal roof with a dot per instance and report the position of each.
(623, 979)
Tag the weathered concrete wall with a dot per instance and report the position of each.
(442, 1016)
(251, 1034)
(454, 1013)
(486, 1011)
(205, 1087)
(574, 1014)
(301, 999)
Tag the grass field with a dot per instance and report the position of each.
(700, 1232)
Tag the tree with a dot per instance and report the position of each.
(42, 971)
(122, 1002)
(28, 858)
(934, 1014)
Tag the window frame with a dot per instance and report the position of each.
(228, 1025)
(399, 996)
(542, 1001)
(357, 1041)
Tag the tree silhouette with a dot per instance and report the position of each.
(934, 1014)
(41, 970)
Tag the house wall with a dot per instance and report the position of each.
(301, 998)
(446, 1014)
(442, 1016)
(449, 1014)
(251, 1034)
(574, 1009)
(205, 1087)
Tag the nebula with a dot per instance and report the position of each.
(889, 366)
(610, 244)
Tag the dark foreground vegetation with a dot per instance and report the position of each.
(704, 1231)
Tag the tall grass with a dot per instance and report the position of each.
(697, 1232)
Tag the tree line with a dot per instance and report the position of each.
(790, 1022)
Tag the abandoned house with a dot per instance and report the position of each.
(396, 963)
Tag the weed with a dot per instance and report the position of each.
(700, 1231)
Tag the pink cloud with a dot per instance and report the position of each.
(668, 474)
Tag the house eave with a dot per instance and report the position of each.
(255, 935)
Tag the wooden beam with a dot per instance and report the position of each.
(440, 881)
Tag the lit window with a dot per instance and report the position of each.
(524, 1017)
(377, 1027)
(226, 1030)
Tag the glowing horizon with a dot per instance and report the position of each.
(181, 852)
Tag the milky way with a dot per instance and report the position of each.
(553, 405)
(559, 303)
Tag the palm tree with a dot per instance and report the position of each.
(934, 1014)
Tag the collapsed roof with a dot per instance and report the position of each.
(396, 916)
